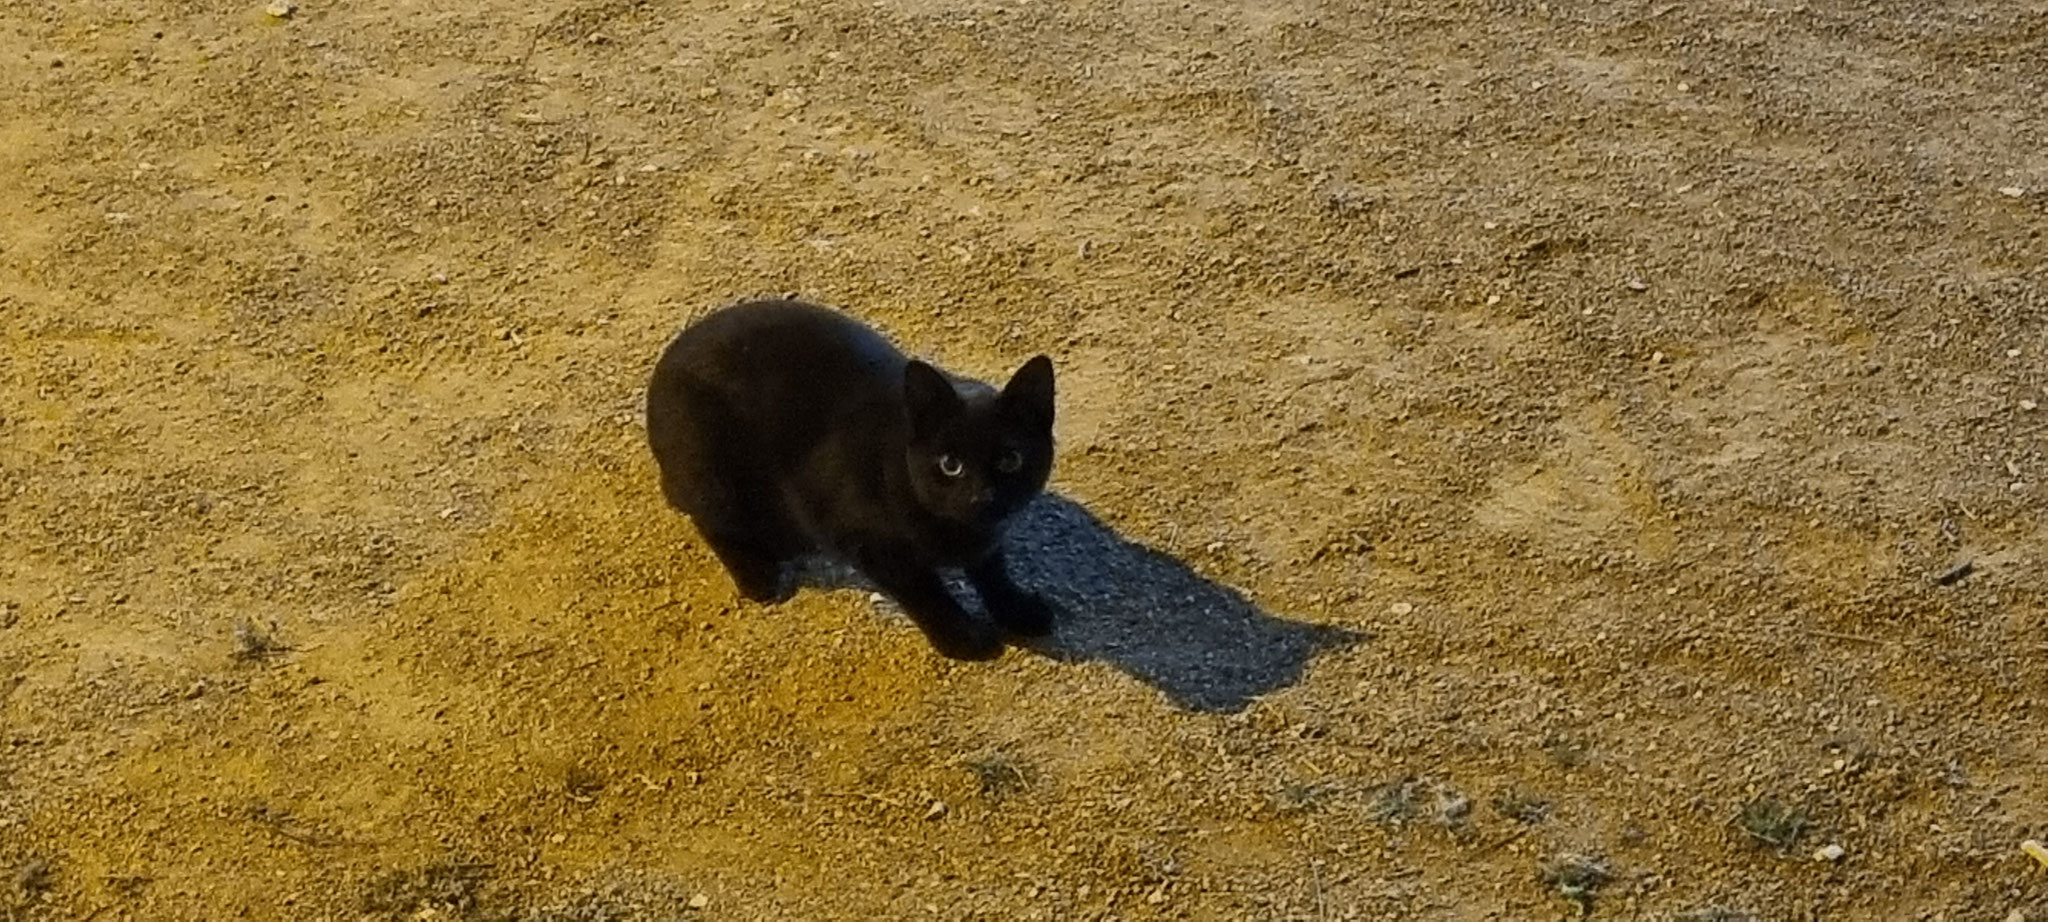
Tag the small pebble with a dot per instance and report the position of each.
(937, 810)
(2029, 405)
(2012, 191)
(699, 901)
(281, 9)
(1402, 608)
(1829, 853)
(1636, 285)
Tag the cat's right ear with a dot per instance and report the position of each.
(1028, 396)
(928, 397)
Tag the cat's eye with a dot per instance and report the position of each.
(1011, 462)
(950, 466)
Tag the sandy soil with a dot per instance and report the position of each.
(1510, 452)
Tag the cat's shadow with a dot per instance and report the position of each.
(1201, 643)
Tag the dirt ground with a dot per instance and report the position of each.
(1516, 459)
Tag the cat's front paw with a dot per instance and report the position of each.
(1025, 614)
(967, 640)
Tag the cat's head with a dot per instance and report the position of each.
(976, 454)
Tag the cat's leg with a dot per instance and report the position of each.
(756, 569)
(923, 596)
(705, 475)
(753, 537)
(1021, 612)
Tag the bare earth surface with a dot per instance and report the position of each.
(1510, 453)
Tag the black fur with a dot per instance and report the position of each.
(783, 428)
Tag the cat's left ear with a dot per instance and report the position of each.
(928, 397)
(1029, 395)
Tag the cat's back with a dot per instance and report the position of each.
(780, 375)
(781, 345)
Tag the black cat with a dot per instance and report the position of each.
(783, 428)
